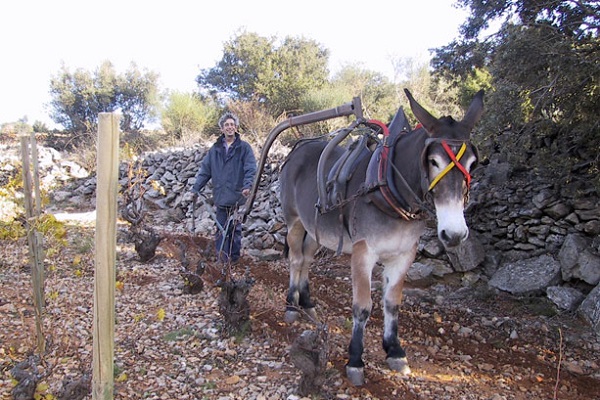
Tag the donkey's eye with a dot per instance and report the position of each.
(433, 163)
(470, 163)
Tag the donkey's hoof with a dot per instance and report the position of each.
(399, 364)
(291, 316)
(356, 375)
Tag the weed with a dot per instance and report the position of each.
(179, 334)
(540, 306)
(210, 385)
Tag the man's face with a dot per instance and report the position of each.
(228, 128)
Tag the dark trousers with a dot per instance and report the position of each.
(229, 235)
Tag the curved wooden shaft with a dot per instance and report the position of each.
(351, 108)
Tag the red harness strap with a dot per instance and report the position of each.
(456, 163)
(380, 124)
(382, 172)
(453, 158)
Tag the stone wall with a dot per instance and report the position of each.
(519, 223)
(529, 235)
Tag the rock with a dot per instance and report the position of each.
(527, 277)
(589, 214)
(565, 298)
(588, 268)
(418, 271)
(433, 248)
(469, 255)
(74, 170)
(577, 261)
(440, 268)
(499, 172)
(265, 254)
(573, 245)
(590, 309)
(557, 211)
(543, 198)
(60, 195)
(592, 227)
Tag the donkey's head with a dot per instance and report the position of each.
(448, 158)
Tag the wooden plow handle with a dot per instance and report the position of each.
(351, 108)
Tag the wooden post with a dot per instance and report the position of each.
(34, 238)
(106, 242)
(36, 175)
(39, 238)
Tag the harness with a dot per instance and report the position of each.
(380, 182)
(380, 185)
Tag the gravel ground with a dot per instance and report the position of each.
(462, 342)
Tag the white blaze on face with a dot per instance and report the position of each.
(451, 225)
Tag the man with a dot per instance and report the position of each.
(231, 165)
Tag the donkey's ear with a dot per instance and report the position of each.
(429, 121)
(474, 112)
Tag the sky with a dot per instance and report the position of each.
(178, 38)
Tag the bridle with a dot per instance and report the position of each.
(455, 163)
(454, 158)
(426, 204)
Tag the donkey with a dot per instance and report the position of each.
(429, 167)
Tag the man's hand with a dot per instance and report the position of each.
(245, 192)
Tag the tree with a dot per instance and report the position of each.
(138, 98)
(72, 101)
(244, 65)
(545, 51)
(78, 97)
(544, 65)
(377, 93)
(299, 66)
(328, 96)
(256, 68)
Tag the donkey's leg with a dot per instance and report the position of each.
(301, 254)
(393, 278)
(362, 263)
(310, 248)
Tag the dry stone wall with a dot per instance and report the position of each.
(529, 235)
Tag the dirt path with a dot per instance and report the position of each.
(461, 343)
(458, 342)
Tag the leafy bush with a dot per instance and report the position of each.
(186, 116)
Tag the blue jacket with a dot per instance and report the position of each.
(230, 173)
